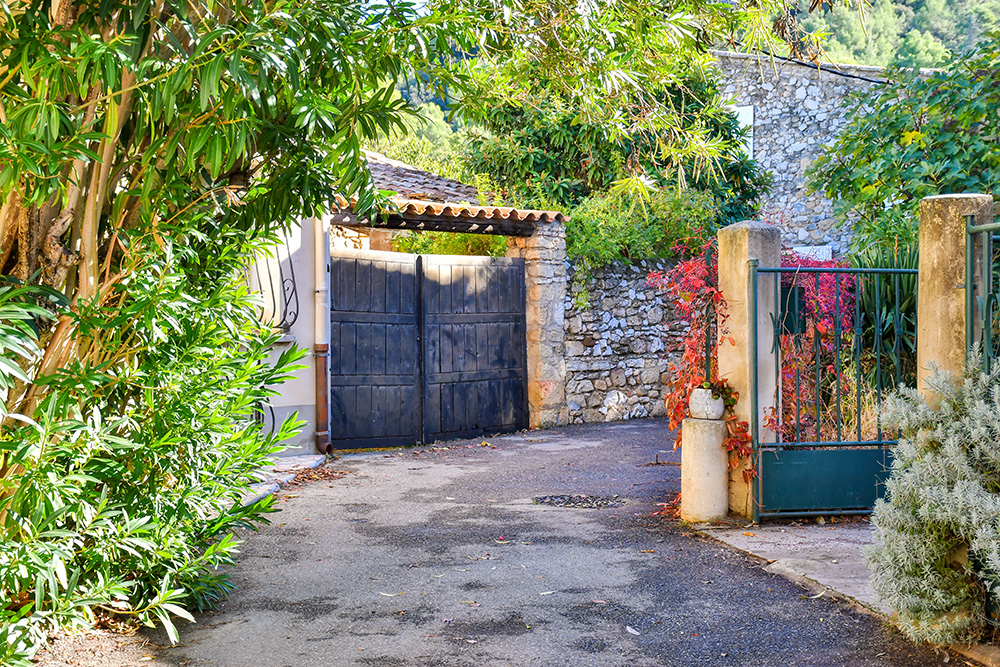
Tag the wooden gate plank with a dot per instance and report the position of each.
(374, 350)
(378, 300)
(393, 279)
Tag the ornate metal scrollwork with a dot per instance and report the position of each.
(273, 276)
(289, 293)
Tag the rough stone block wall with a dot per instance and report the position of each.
(619, 346)
(797, 110)
(545, 277)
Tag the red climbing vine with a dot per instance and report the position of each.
(693, 287)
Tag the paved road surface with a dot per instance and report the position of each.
(440, 557)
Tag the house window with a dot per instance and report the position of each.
(745, 117)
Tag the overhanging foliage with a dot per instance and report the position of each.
(149, 152)
(916, 136)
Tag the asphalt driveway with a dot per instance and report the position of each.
(439, 556)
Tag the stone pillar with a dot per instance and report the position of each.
(704, 471)
(738, 244)
(545, 279)
(380, 239)
(941, 288)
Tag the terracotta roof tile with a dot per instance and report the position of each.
(413, 183)
(408, 207)
(421, 194)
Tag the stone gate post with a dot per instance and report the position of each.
(941, 282)
(545, 275)
(738, 244)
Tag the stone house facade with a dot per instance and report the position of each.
(796, 110)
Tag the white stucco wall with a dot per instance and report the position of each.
(296, 259)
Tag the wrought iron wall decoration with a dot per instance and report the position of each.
(273, 277)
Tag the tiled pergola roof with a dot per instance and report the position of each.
(412, 183)
(432, 203)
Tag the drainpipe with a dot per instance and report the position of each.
(321, 343)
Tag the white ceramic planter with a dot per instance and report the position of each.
(704, 406)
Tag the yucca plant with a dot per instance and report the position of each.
(888, 306)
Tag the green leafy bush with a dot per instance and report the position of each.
(450, 243)
(555, 149)
(607, 227)
(938, 533)
(120, 493)
(915, 136)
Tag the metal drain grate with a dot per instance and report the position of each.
(579, 501)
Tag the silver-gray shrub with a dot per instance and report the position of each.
(937, 550)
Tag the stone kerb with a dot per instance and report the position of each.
(738, 244)
(545, 279)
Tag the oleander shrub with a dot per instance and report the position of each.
(121, 490)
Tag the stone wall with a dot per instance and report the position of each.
(619, 345)
(797, 109)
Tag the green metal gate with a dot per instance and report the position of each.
(981, 312)
(842, 338)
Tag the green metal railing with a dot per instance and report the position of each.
(981, 311)
(841, 338)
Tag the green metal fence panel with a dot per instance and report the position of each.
(982, 319)
(798, 482)
(844, 339)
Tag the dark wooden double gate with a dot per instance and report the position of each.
(425, 348)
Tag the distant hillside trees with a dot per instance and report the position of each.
(913, 33)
